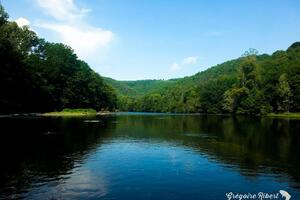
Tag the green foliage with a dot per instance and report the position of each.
(253, 85)
(251, 103)
(285, 115)
(233, 97)
(79, 110)
(3, 16)
(250, 52)
(140, 87)
(249, 73)
(37, 76)
(211, 94)
(284, 93)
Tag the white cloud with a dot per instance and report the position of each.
(190, 60)
(87, 41)
(22, 22)
(175, 67)
(63, 10)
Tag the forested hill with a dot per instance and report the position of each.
(38, 76)
(252, 84)
(143, 87)
(139, 87)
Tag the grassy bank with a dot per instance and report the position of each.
(284, 115)
(74, 112)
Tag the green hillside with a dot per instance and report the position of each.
(140, 87)
(251, 84)
(143, 87)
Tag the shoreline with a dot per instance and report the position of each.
(80, 114)
(55, 114)
(75, 114)
(284, 115)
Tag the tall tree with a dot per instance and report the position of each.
(38, 76)
(284, 93)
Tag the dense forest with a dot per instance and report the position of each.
(252, 84)
(38, 76)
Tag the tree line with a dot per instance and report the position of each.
(39, 76)
(252, 84)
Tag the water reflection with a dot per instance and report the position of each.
(134, 156)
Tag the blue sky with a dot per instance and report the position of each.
(156, 39)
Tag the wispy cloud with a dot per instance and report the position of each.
(175, 67)
(21, 21)
(69, 23)
(191, 60)
(63, 10)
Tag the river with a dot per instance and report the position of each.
(148, 156)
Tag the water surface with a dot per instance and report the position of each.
(147, 156)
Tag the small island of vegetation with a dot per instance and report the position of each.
(72, 112)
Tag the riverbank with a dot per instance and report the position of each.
(90, 112)
(284, 115)
(62, 114)
(76, 112)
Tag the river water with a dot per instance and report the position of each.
(148, 156)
